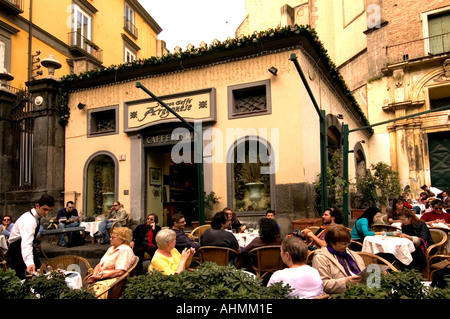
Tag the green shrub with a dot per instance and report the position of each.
(40, 287)
(207, 281)
(395, 285)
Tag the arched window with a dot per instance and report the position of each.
(100, 183)
(251, 175)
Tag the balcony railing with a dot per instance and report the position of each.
(130, 27)
(14, 5)
(85, 46)
(418, 48)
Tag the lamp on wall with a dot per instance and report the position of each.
(81, 106)
(340, 116)
(273, 70)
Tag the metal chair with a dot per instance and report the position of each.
(69, 262)
(220, 255)
(267, 260)
(375, 259)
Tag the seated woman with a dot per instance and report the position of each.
(117, 260)
(364, 223)
(304, 280)
(7, 226)
(269, 234)
(335, 263)
(167, 258)
(398, 205)
(417, 231)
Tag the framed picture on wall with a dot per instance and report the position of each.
(155, 176)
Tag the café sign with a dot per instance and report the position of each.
(197, 105)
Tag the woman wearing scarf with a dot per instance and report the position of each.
(336, 264)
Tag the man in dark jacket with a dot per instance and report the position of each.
(144, 240)
(182, 241)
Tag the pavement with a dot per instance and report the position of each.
(92, 252)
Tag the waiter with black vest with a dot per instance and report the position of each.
(22, 255)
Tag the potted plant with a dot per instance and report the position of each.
(375, 189)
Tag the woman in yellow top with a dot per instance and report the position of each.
(167, 258)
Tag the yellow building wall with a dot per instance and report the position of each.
(293, 116)
(55, 17)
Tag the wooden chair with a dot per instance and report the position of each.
(197, 232)
(375, 259)
(115, 290)
(440, 239)
(267, 258)
(383, 227)
(69, 262)
(220, 255)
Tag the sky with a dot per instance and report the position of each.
(187, 22)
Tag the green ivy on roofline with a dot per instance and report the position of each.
(216, 46)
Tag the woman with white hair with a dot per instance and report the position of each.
(167, 258)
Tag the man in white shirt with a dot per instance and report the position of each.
(22, 256)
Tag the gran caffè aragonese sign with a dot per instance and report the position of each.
(197, 105)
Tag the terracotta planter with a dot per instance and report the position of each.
(306, 222)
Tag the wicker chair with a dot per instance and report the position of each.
(219, 255)
(375, 259)
(446, 249)
(437, 262)
(197, 232)
(267, 258)
(3, 260)
(355, 245)
(384, 219)
(440, 239)
(69, 262)
(115, 290)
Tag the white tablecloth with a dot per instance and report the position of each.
(401, 248)
(91, 227)
(73, 279)
(245, 238)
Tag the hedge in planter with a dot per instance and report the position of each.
(44, 287)
(205, 282)
(395, 285)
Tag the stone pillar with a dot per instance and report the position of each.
(6, 148)
(48, 139)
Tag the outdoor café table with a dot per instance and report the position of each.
(91, 227)
(245, 238)
(401, 248)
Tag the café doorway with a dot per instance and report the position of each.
(172, 186)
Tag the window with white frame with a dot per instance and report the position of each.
(436, 27)
(129, 21)
(129, 55)
(82, 29)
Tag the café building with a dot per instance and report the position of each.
(261, 134)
